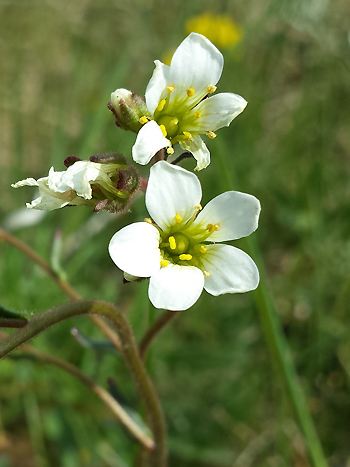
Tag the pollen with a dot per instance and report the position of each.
(161, 105)
(211, 89)
(185, 257)
(187, 134)
(178, 218)
(190, 92)
(203, 249)
(211, 134)
(143, 119)
(162, 127)
(172, 243)
(170, 151)
(213, 227)
(148, 220)
(171, 88)
(164, 263)
(197, 114)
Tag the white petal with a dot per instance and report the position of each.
(49, 200)
(217, 111)
(176, 287)
(55, 181)
(236, 214)
(199, 150)
(156, 85)
(196, 63)
(231, 270)
(171, 190)
(79, 175)
(135, 249)
(149, 141)
(26, 182)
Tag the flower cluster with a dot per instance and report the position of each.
(179, 247)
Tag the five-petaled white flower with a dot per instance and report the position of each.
(177, 249)
(179, 110)
(73, 186)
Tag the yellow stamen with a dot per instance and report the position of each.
(148, 220)
(185, 257)
(171, 88)
(211, 134)
(206, 273)
(178, 218)
(198, 207)
(170, 151)
(203, 249)
(172, 243)
(197, 114)
(190, 92)
(213, 227)
(161, 105)
(164, 263)
(187, 134)
(211, 89)
(143, 119)
(162, 127)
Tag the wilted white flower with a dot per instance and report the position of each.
(177, 249)
(179, 110)
(74, 186)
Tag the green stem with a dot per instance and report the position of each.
(42, 321)
(274, 335)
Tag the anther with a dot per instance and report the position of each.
(198, 207)
(203, 249)
(211, 89)
(206, 273)
(164, 263)
(170, 150)
(172, 243)
(143, 119)
(178, 218)
(213, 227)
(211, 134)
(197, 114)
(187, 134)
(161, 105)
(162, 127)
(190, 92)
(185, 257)
(171, 88)
(148, 220)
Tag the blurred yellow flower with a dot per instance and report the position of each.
(220, 29)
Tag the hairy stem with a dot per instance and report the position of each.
(42, 321)
(153, 331)
(62, 284)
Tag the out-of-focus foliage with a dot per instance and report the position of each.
(225, 407)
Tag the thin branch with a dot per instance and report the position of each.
(41, 321)
(152, 332)
(114, 406)
(62, 284)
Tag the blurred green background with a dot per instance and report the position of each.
(224, 403)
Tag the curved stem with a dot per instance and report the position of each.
(42, 321)
(112, 404)
(152, 332)
(62, 284)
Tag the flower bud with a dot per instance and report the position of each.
(127, 109)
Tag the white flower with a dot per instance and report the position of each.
(73, 186)
(177, 250)
(179, 110)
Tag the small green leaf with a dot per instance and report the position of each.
(10, 319)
